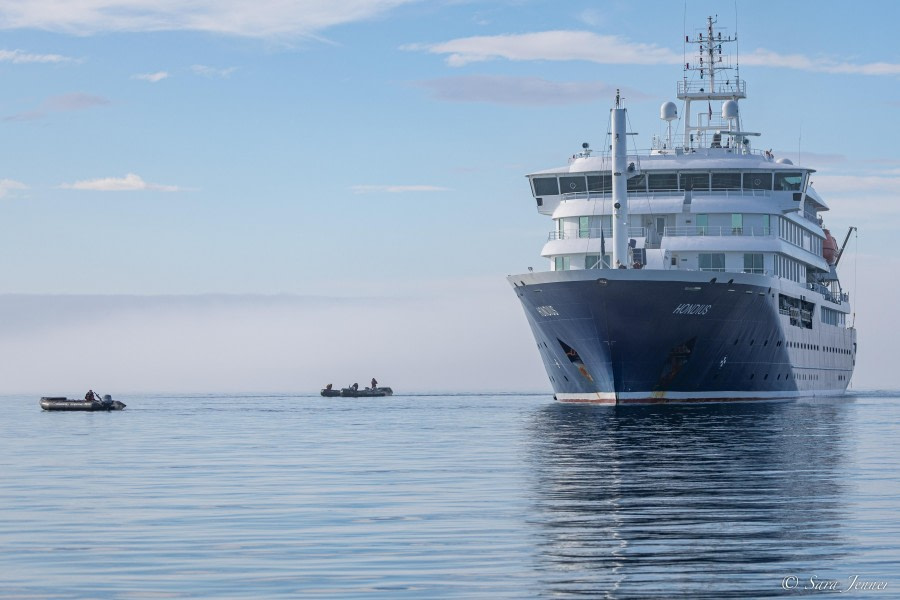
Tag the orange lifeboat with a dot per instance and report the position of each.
(829, 248)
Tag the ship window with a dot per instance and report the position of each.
(561, 263)
(726, 181)
(662, 181)
(702, 224)
(737, 224)
(711, 261)
(757, 181)
(753, 263)
(545, 186)
(637, 183)
(584, 227)
(592, 261)
(571, 185)
(788, 181)
(599, 183)
(695, 181)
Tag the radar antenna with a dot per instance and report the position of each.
(710, 82)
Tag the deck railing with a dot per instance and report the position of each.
(650, 195)
(702, 230)
(594, 233)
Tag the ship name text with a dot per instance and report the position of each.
(547, 311)
(692, 309)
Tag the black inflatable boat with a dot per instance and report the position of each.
(61, 403)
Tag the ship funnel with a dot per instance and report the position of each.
(619, 189)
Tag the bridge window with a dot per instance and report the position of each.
(545, 186)
(637, 183)
(788, 181)
(696, 181)
(571, 185)
(757, 181)
(599, 183)
(662, 181)
(726, 181)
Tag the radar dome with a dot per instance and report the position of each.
(668, 111)
(730, 109)
(784, 161)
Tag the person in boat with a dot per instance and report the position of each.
(328, 387)
(374, 383)
(354, 387)
(91, 396)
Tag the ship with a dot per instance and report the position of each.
(698, 270)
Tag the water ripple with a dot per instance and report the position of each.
(440, 496)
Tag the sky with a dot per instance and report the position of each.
(230, 196)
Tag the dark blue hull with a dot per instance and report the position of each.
(638, 336)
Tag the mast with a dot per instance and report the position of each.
(619, 186)
(714, 85)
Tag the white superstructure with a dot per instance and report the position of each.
(708, 209)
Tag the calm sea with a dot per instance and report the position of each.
(449, 496)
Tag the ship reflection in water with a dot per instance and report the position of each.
(709, 500)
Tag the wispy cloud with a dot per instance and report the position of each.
(564, 45)
(870, 198)
(859, 186)
(550, 45)
(152, 77)
(63, 103)
(767, 58)
(8, 185)
(22, 57)
(592, 17)
(521, 91)
(396, 189)
(213, 72)
(74, 101)
(812, 159)
(234, 17)
(129, 183)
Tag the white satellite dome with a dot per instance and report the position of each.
(668, 111)
(784, 161)
(730, 109)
